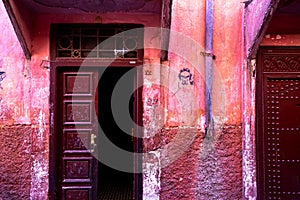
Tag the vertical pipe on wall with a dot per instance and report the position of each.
(208, 64)
(166, 15)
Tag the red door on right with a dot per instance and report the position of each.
(278, 120)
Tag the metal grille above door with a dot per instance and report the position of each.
(98, 41)
(278, 119)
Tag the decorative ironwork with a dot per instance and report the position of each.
(286, 63)
(98, 42)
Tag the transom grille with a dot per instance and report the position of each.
(102, 41)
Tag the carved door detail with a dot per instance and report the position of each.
(279, 124)
(77, 132)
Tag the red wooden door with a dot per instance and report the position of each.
(76, 133)
(279, 124)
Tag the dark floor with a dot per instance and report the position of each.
(119, 191)
(115, 185)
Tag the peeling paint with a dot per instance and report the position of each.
(278, 37)
(39, 188)
(41, 126)
(281, 40)
(180, 163)
(151, 176)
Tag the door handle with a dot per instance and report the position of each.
(93, 144)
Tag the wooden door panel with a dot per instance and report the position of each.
(77, 193)
(282, 135)
(290, 175)
(76, 129)
(78, 112)
(78, 84)
(279, 124)
(77, 140)
(77, 169)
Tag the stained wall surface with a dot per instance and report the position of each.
(15, 123)
(255, 14)
(207, 167)
(180, 162)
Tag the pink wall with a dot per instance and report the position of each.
(228, 48)
(255, 14)
(255, 22)
(202, 171)
(181, 163)
(14, 85)
(15, 168)
(41, 39)
(24, 99)
(174, 129)
(184, 116)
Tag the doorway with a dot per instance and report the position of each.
(114, 183)
(278, 120)
(85, 113)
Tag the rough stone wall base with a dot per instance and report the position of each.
(24, 160)
(210, 168)
(15, 165)
(220, 164)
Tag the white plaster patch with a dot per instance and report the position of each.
(41, 125)
(38, 170)
(39, 177)
(151, 176)
(201, 123)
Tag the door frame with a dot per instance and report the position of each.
(260, 79)
(55, 63)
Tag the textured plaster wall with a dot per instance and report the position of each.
(255, 15)
(21, 123)
(24, 117)
(185, 164)
(24, 19)
(220, 170)
(228, 48)
(14, 88)
(180, 163)
(151, 56)
(184, 116)
(151, 60)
